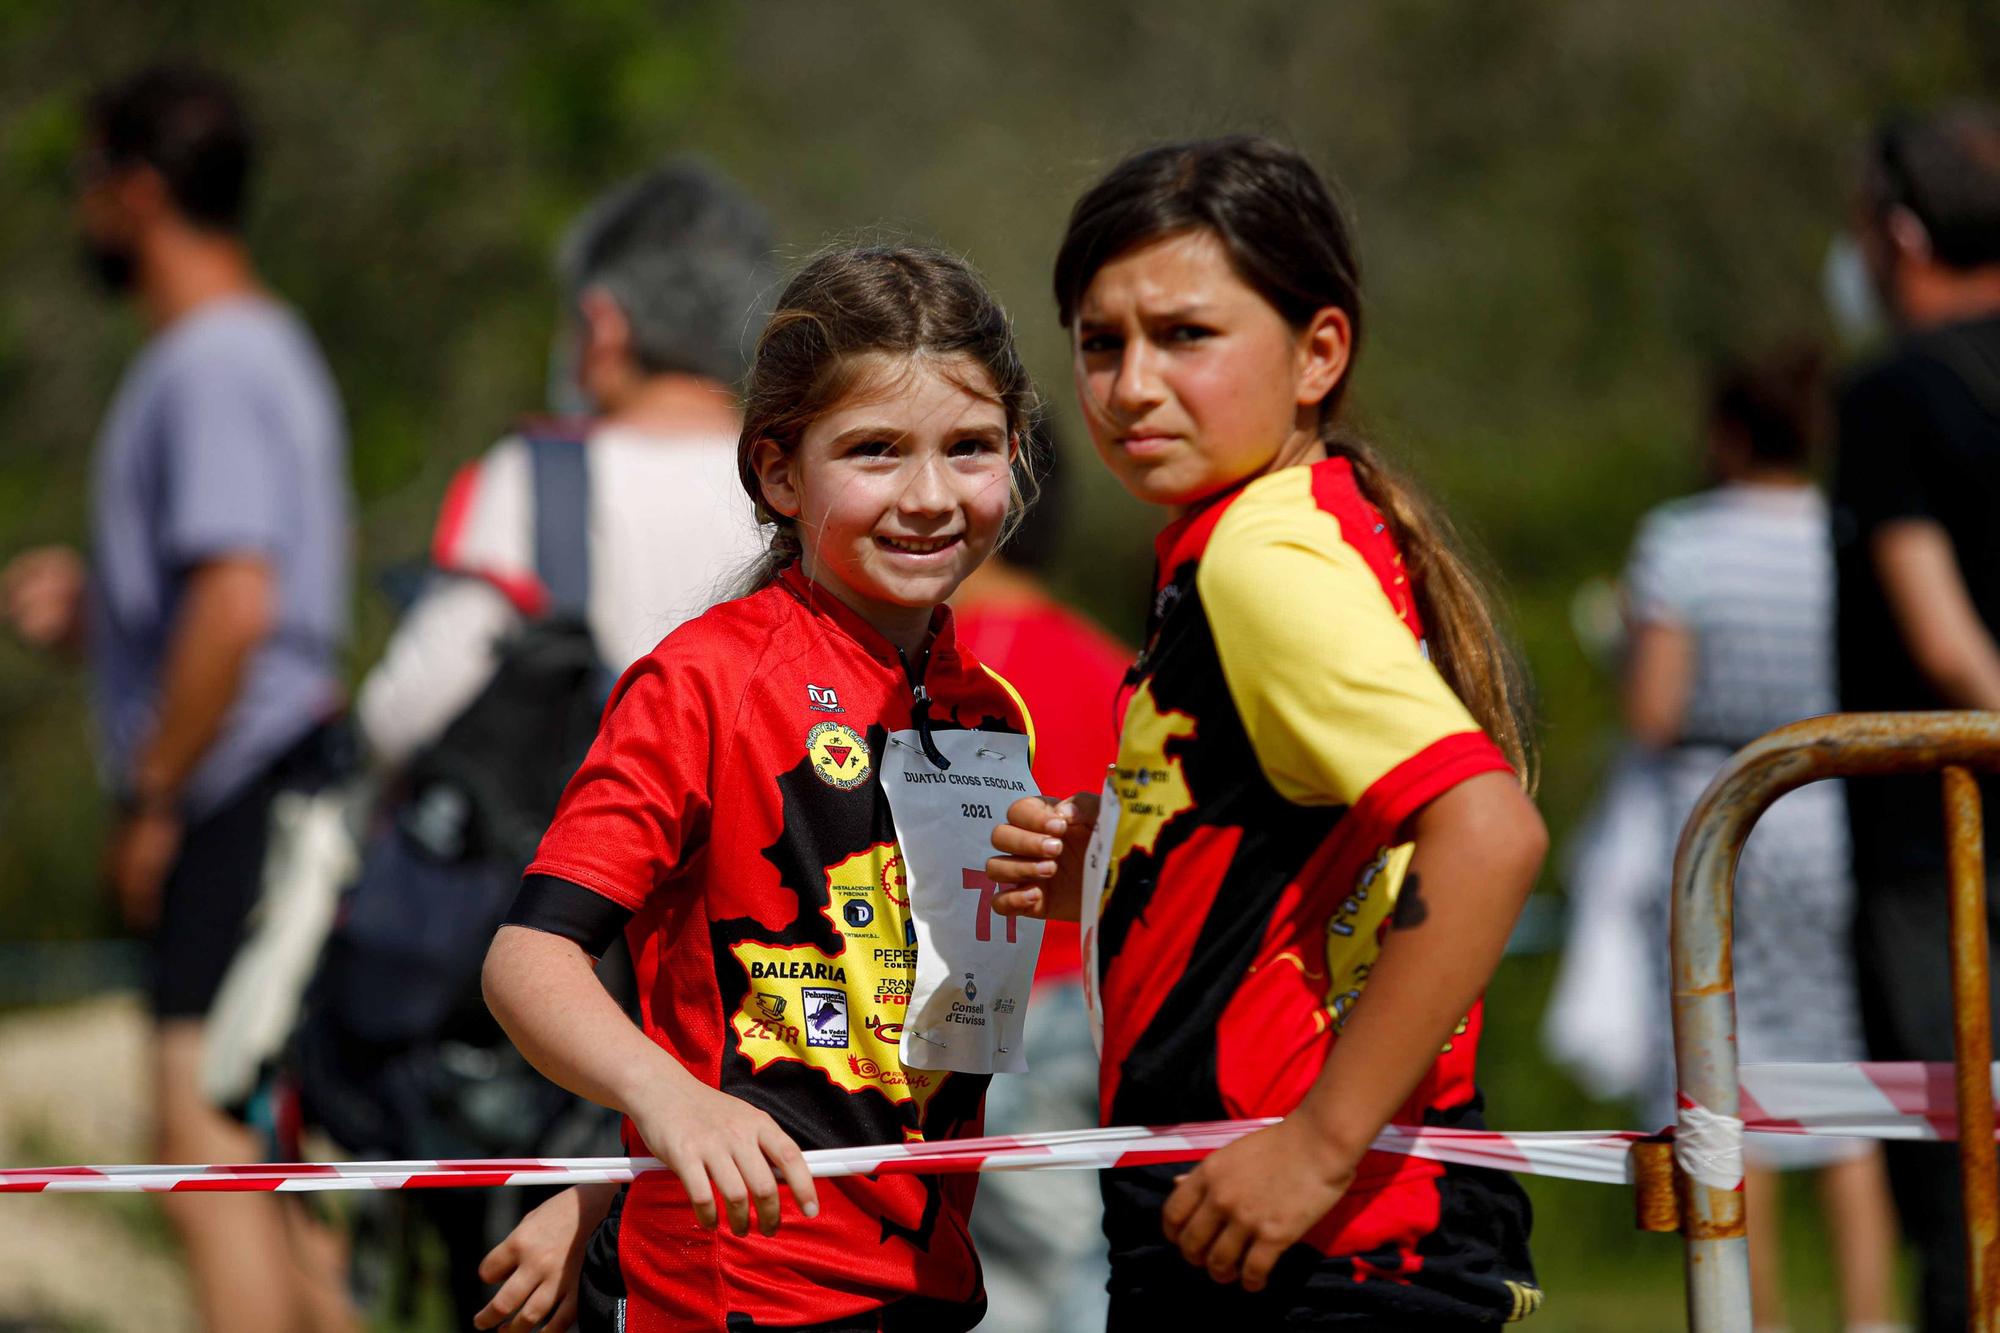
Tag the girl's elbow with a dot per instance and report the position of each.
(494, 974)
(1531, 844)
(1518, 841)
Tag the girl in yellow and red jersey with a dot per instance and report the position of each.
(733, 821)
(1322, 839)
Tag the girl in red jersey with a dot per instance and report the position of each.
(1321, 840)
(734, 820)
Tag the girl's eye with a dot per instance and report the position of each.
(972, 446)
(1096, 343)
(1188, 333)
(872, 449)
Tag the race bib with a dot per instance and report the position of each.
(1096, 873)
(974, 966)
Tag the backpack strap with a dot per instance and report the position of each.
(562, 521)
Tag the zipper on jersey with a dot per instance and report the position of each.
(920, 707)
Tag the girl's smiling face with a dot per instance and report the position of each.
(1190, 380)
(899, 490)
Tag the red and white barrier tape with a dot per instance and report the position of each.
(1874, 1101)
(1878, 1101)
(1084, 1149)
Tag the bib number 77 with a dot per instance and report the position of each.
(983, 926)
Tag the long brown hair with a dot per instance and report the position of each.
(846, 304)
(1289, 240)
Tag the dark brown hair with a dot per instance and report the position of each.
(1289, 241)
(1945, 168)
(1776, 404)
(846, 304)
(188, 125)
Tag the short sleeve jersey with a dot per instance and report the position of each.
(731, 802)
(226, 439)
(1284, 725)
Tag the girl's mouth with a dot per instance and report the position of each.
(917, 545)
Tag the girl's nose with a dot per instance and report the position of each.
(927, 491)
(1137, 387)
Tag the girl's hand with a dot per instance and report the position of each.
(1040, 867)
(724, 1147)
(1238, 1211)
(536, 1267)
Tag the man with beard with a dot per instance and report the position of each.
(212, 609)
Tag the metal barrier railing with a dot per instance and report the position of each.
(1704, 987)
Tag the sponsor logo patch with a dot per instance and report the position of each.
(838, 754)
(822, 699)
(826, 1016)
(895, 883)
(863, 1067)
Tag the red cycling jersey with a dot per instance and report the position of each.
(731, 803)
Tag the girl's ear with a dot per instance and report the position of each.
(778, 476)
(1323, 350)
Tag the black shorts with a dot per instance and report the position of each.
(1475, 1271)
(215, 881)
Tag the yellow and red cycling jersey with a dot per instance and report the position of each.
(1284, 724)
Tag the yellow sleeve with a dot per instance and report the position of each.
(1332, 687)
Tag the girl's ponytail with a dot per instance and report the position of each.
(1466, 645)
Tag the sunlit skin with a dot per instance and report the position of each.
(1190, 381)
(899, 490)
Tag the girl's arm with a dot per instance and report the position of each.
(543, 990)
(537, 1266)
(1479, 847)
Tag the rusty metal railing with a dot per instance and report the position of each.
(1704, 986)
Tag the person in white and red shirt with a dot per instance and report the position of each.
(661, 277)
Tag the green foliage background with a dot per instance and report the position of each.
(1566, 211)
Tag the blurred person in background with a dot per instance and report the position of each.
(661, 281)
(1040, 1236)
(1729, 598)
(1916, 523)
(212, 607)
